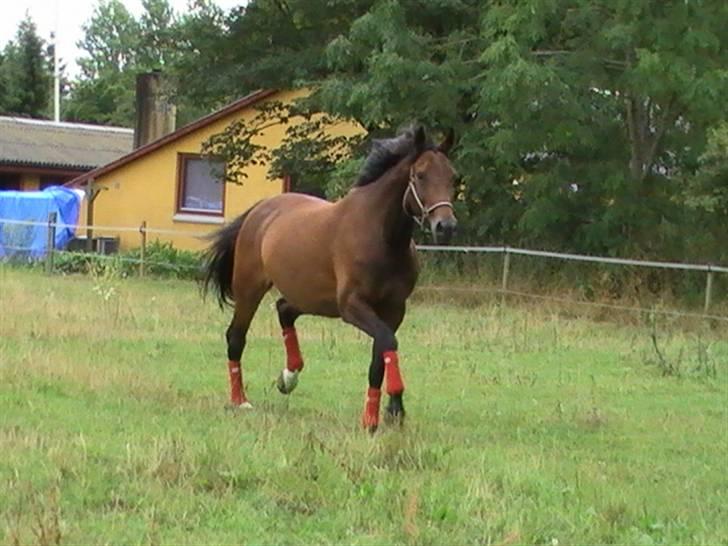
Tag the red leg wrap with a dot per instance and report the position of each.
(370, 418)
(395, 385)
(237, 391)
(294, 360)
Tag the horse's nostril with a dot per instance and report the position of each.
(446, 227)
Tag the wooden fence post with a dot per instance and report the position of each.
(51, 242)
(90, 196)
(708, 290)
(143, 249)
(506, 270)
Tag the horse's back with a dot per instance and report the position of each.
(290, 200)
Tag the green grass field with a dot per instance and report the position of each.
(525, 426)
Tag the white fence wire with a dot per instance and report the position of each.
(427, 248)
(574, 257)
(506, 251)
(94, 227)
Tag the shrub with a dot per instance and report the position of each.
(161, 260)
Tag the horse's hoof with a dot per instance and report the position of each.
(239, 407)
(394, 418)
(370, 422)
(287, 381)
(394, 414)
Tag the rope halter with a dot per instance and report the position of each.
(424, 211)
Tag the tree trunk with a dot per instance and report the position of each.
(646, 125)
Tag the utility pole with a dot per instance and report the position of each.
(56, 73)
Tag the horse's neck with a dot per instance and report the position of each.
(384, 205)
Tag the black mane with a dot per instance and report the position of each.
(385, 154)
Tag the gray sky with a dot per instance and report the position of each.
(70, 14)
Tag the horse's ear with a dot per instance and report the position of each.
(420, 139)
(446, 144)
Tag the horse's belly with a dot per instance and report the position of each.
(297, 261)
(310, 291)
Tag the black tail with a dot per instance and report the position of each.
(219, 259)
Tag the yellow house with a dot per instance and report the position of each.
(169, 185)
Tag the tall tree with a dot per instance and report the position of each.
(263, 43)
(599, 105)
(27, 73)
(158, 35)
(3, 84)
(117, 47)
(105, 91)
(578, 119)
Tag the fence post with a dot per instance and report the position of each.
(51, 242)
(506, 270)
(708, 290)
(90, 196)
(143, 249)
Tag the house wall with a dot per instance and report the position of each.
(146, 188)
(29, 182)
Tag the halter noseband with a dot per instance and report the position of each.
(424, 211)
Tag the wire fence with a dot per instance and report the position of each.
(575, 257)
(116, 229)
(142, 262)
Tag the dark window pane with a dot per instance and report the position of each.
(202, 185)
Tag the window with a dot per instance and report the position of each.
(201, 187)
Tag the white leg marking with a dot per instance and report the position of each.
(290, 379)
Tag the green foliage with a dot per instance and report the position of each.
(25, 73)
(615, 97)
(580, 124)
(586, 126)
(164, 260)
(708, 191)
(261, 44)
(117, 47)
(310, 154)
(161, 260)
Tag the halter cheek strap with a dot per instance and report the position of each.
(424, 211)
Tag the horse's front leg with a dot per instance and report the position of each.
(385, 361)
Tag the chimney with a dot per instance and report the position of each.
(155, 113)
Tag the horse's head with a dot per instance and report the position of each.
(431, 187)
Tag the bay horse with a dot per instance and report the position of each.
(353, 259)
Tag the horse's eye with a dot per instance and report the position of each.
(420, 176)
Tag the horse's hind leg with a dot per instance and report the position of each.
(246, 305)
(287, 315)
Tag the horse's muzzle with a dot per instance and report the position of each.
(443, 229)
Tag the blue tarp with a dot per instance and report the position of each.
(22, 241)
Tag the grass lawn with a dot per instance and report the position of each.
(525, 425)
